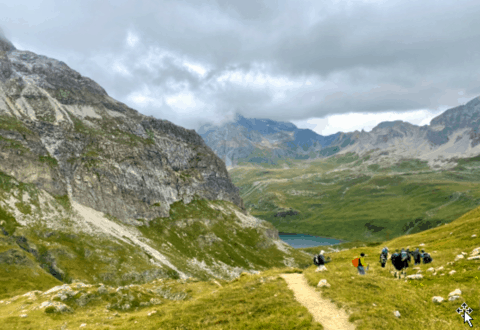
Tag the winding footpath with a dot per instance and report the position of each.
(322, 310)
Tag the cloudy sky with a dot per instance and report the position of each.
(328, 65)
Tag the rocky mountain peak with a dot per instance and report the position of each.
(5, 44)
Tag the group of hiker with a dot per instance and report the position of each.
(400, 260)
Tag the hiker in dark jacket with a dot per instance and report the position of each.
(319, 260)
(404, 257)
(397, 263)
(384, 257)
(416, 257)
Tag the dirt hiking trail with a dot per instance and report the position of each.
(322, 310)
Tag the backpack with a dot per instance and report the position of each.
(404, 255)
(319, 260)
(427, 258)
(355, 262)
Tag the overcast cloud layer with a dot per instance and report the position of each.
(326, 65)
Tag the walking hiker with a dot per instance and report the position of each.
(384, 257)
(416, 257)
(397, 263)
(361, 264)
(404, 256)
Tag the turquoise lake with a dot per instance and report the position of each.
(303, 241)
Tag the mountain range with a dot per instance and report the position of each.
(452, 134)
(91, 189)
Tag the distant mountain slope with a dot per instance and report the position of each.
(262, 140)
(453, 134)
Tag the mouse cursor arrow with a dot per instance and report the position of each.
(467, 318)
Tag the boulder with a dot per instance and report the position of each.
(396, 313)
(437, 299)
(54, 307)
(474, 258)
(415, 277)
(323, 283)
(456, 292)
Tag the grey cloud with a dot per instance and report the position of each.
(389, 55)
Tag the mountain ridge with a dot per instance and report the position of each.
(450, 135)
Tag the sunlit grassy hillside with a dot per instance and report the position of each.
(354, 198)
(373, 298)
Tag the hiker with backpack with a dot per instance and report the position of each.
(360, 264)
(427, 258)
(319, 260)
(384, 257)
(397, 262)
(416, 257)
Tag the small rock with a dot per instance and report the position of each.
(23, 315)
(102, 290)
(415, 277)
(442, 274)
(473, 258)
(458, 257)
(473, 236)
(396, 313)
(323, 283)
(151, 313)
(452, 298)
(452, 272)
(475, 251)
(451, 233)
(374, 305)
(437, 299)
(431, 269)
(321, 268)
(456, 292)
(416, 268)
(464, 253)
(83, 325)
(440, 268)
(434, 252)
(421, 244)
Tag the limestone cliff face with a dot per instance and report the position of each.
(62, 132)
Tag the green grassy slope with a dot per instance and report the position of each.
(351, 198)
(412, 298)
(204, 239)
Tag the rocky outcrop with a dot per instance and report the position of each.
(63, 133)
